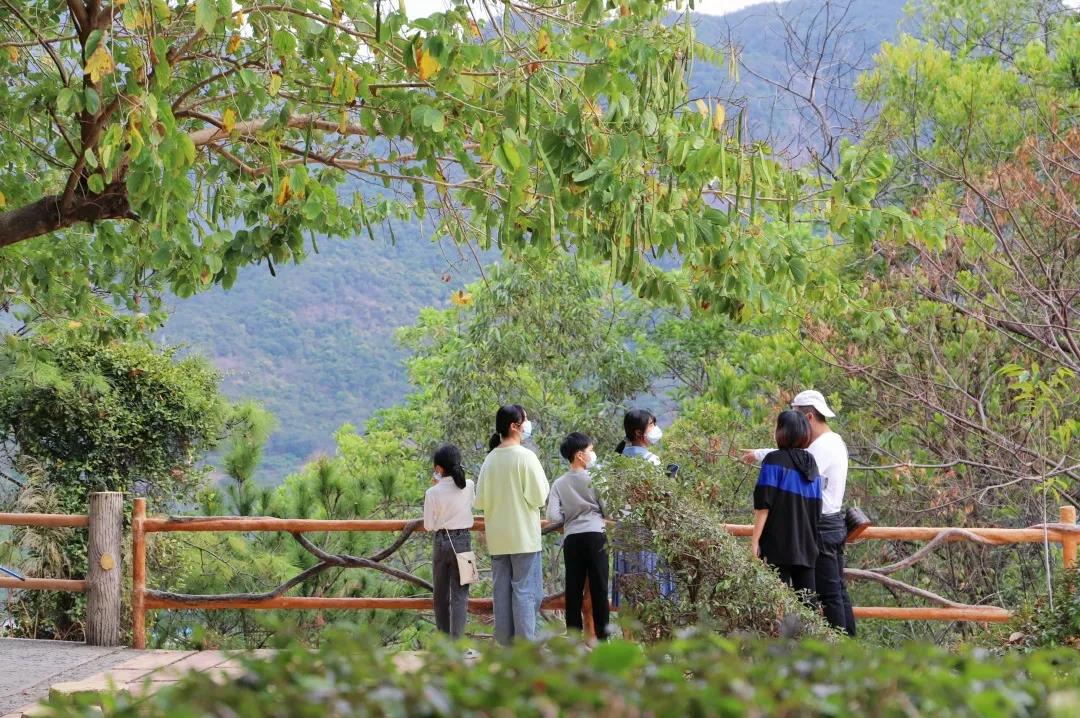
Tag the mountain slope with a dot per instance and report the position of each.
(316, 343)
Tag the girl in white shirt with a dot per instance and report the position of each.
(448, 515)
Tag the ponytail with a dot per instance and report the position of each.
(504, 418)
(448, 458)
(457, 472)
(635, 422)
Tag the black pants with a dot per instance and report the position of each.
(829, 574)
(800, 578)
(586, 558)
(451, 599)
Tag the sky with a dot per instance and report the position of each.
(422, 8)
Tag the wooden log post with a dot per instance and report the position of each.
(138, 573)
(1068, 541)
(587, 621)
(103, 576)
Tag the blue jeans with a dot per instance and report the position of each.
(519, 588)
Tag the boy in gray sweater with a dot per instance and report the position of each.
(573, 501)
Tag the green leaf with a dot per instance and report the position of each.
(284, 43)
(206, 15)
(618, 657)
(91, 100)
(95, 182)
(585, 175)
(797, 265)
(648, 122)
(93, 41)
(65, 99)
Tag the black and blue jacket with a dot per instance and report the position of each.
(790, 488)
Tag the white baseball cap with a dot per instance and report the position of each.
(813, 398)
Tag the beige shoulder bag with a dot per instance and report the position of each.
(466, 564)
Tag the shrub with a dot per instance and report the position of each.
(697, 675)
(717, 582)
(1045, 623)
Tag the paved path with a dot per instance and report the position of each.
(29, 668)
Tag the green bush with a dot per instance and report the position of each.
(699, 675)
(717, 582)
(1044, 623)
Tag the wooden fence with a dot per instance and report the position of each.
(103, 585)
(1065, 533)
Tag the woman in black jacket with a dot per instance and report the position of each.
(787, 504)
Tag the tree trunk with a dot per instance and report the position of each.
(103, 575)
(46, 215)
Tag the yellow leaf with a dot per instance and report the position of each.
(228, 120)
(718, 117)
(74, 324)
(234, 43)
(475, 28)
(335, 90)
(426, 65)
(283, 193)
(611, 44)
(13, 54)
(543, 42)
(3, 200)
(343, 122)
(703, 109)
(461, 298)
(275, 84)
(99, 64)
(624, 10)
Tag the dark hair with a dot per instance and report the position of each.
(448, 458)
(574, 443)
(809, 410)
(506, 415)
(792, 430)
(634, 421)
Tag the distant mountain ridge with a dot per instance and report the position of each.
(316, 343)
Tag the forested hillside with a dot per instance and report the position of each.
(315, 344)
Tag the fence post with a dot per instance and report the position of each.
(138, 574)
(587, 622)
(103, 584)
(1068, 541)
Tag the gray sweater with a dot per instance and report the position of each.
(573, 501)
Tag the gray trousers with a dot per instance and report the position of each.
(519, 588)
(451, 598)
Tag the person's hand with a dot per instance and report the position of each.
(748, 458)
(755, 550)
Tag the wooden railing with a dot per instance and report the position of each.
(1064, 533)
(102, 584)
(105, 518)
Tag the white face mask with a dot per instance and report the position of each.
(653, 434)
(590, 459)
(526, 429)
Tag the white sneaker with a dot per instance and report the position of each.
(471, 654)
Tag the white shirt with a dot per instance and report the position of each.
(830, 453)
(448, 507)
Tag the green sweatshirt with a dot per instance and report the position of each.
(511, 490)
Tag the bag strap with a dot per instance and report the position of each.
(452, 548)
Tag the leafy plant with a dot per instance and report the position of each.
(694, 675)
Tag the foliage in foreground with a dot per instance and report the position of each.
(692, 676)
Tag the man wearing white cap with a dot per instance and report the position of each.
(830, 453)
